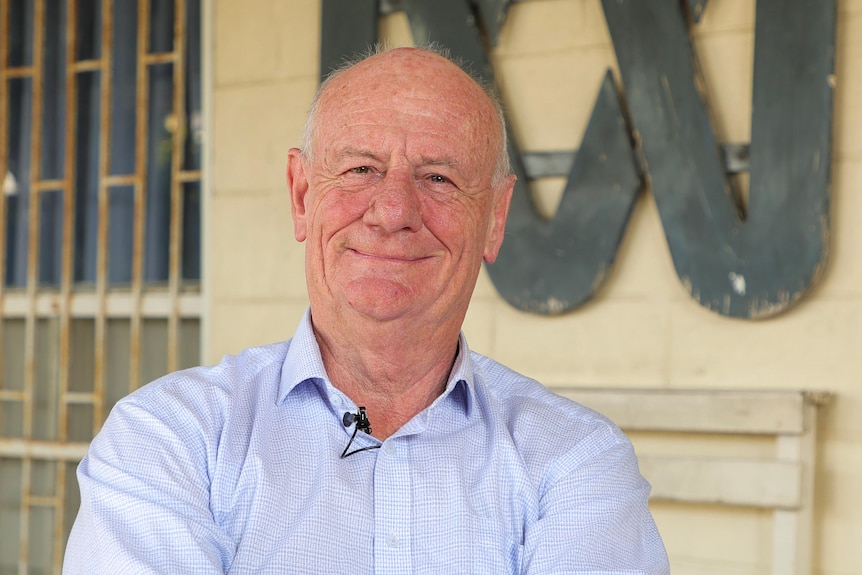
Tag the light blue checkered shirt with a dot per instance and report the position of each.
(235, 469)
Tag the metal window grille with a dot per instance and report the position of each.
(100, 163)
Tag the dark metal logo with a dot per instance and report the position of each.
(750, 263)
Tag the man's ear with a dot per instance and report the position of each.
(499, 212)
(297, 182)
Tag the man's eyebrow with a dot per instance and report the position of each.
(445, 161)
(352, 152)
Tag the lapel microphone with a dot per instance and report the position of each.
(362, 423)
(361, 419)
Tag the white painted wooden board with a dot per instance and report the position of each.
(784, 484)
(704, 411)
(747, 482)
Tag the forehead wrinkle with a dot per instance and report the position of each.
(357, 95)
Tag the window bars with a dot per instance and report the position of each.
(100, 165)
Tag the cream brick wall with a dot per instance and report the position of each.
(641, 329)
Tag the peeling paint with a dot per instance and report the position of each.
(601, 274)
(763, 308)
(686, 283)
(555, 306)
(10, 184)
(737, 282)
(550, 306)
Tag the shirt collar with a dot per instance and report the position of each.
(461, 385)
(304, 363)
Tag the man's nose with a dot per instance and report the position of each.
(395, 204)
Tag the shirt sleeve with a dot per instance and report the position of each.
(145, 497)
(593, 516)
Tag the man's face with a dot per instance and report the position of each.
(397, 204)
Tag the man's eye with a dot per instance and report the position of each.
(361, 170)
(438, 179)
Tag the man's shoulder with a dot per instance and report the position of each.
(535, 415)
(254, 370)
(512, 388)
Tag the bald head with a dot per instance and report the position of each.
(412, 73)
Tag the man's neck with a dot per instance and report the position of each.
(393, 370)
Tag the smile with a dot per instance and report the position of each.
(382, 257)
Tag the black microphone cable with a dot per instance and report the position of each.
(361, 419)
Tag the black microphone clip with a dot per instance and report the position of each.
(361, 419)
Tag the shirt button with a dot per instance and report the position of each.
(389, 448)
(392, 540)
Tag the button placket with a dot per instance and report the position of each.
(393, 504)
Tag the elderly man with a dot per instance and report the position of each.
(373, 441)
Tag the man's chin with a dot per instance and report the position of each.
(383, 300)
(382, 311)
